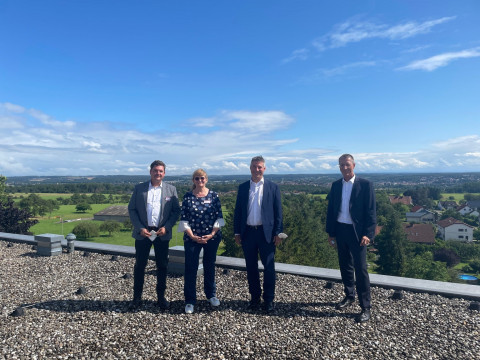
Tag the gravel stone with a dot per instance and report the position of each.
(58, 323)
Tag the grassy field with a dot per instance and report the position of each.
(457, 196)
(52, 224)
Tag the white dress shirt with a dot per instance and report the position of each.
(344, 214)
(154, 202)
(255, 197)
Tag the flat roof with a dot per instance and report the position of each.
(58, 323)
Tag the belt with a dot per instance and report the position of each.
(255, 227)
(343, 224)
(152, 228)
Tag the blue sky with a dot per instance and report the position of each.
(96, 87)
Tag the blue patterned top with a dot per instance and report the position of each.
(201, 213)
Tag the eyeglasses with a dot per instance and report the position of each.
(200, 178)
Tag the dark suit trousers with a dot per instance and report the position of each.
(253, 243)
(142, 251)
(353, 261)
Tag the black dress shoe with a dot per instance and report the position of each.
(364, 316)
(163, 304)
(269, 306)
(346, 302)
(135, 304)
(254, 304)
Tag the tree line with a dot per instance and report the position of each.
(304, 222)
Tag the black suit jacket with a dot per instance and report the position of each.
(362, 208)
(272, 216)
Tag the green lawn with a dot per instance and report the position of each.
(51, 224)
(457, 196)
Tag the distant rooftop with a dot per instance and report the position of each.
(98, 324)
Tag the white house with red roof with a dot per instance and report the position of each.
(464, 209)
(453, 229)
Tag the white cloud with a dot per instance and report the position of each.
(12, 107)
(9, 122)
(437, 61)
(473, 154)
(202, 122)
(258, 121)
(37, 149)
(299, 54)
(355, 31)
(339, 70)
(305, 164)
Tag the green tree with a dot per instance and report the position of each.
(127, 225)
(476, 234)
(86, 230)
(391, 244)
(14, 220)
(110, 227)
(3, 180)
(475, 265)
(83, 207)
(304, 222)
(451, 213)
(32, 203)
(98, 199)
(424, 267)
(228, 235)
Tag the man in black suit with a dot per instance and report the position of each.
(351, 223)
(154, 209)
(258, 220)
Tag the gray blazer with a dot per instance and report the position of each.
(137, 209)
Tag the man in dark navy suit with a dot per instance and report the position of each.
(258, 220)
(351, 223)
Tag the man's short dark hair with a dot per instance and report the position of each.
(346, 157)
(157, 163)
(257, 159)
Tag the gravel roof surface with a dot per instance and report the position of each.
(59, 324)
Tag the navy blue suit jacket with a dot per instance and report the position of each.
(362, 208)
(272, 216)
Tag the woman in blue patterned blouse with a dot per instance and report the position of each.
(200, 221)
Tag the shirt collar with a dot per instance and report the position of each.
(261, 182)
(352, 180)
(150, 186)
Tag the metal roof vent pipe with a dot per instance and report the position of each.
(71, 243)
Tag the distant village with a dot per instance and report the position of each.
(423, 225)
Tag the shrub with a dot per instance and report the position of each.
(86, 230)
(110, 226)
(448, 256)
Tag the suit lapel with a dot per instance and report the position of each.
(266, 195)
(355, 191)
(145, 193)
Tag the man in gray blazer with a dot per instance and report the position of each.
(154, 209)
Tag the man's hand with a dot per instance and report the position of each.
(331, 241)
(365, 241)
(162, 231)
(277, 240)
(144, 232)
(238, 240)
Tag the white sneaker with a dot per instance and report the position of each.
(214, 301)
(188, 309)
